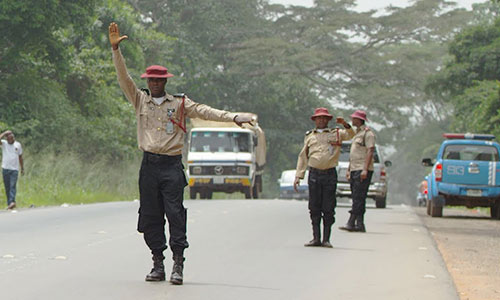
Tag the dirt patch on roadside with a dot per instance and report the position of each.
(469, 242)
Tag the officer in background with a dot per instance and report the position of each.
(160, 135)
(321, 153)
(360, 170)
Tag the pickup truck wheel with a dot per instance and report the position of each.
(192, 193)
(380, 202)
(436, 211)
(428, 204)
(495, 211)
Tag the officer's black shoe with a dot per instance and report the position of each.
(313, 243)
(360, 225)
(326, 244)
(158, 271)
(350, 224)
(176, 277)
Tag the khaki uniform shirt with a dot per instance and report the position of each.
(318, 151)
(361, 142)
(152, 119)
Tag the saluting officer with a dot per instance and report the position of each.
(321, 153)
(360, 170)
(160, 135)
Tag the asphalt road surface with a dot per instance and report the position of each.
(240, 249)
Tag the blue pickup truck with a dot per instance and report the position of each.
(466, 172)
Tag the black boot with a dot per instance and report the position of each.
(360, 225)
(327, 230)
(177, 269)
(350, 224)
(158, 271)
(316, 241)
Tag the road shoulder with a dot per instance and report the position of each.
(469, 242)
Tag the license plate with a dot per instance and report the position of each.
(474, 193)
(218, 180)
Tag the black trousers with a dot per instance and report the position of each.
(161, 187)
(359, 190)
(322, 200)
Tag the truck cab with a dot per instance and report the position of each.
(466, 172)
(225, 158)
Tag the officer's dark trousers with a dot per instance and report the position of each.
(359, 190)
(322, 200)
(161, 186)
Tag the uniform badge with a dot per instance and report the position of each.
(169, 128)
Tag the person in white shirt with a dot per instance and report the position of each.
(12, 163)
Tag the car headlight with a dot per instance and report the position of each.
(196, 170)
(242, 170)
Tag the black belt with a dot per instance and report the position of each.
(319, 171)
(162, 158)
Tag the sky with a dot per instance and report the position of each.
(365, 5)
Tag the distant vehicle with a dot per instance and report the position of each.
(223, 157)
(422, 193)
(286, 186)
(378, 186)
(466, 172)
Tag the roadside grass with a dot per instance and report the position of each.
(52, 180)
(57, 179)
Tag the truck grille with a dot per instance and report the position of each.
(218, 170)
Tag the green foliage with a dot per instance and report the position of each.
(469, 80)
(478, 109)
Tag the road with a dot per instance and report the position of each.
(240, 249)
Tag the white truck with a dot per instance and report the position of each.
(223, 157)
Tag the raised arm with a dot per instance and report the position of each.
(3, 134)
(126, 83)
(348, 132)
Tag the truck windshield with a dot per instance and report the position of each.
(471, 152)
(219, 141)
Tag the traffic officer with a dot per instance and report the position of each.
(160, 134)
(360, 170)
(321, 153)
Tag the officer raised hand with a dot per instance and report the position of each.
(114, 35)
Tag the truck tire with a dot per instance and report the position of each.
(248, 193)
(192, 193)
(380, 202)
(206, 194)
(495, 211)
(436, 210)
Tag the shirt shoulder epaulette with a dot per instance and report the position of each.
(146, 91)
(179, 95)
(309, 132)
